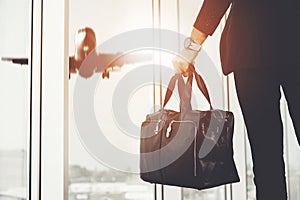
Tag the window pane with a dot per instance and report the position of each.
(88, 177)
(292, 153)
(15, 97)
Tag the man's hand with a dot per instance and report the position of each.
(180, 65)
(187, 56)
(182, 61)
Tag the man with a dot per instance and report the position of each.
(259, 44)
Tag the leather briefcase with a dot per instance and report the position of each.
(190, 148)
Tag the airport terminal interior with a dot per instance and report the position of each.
(44, 154)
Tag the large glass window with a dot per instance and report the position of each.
(15, 97)
(89, 177)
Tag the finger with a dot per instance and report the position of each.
(104, 74)
(185, 74)
(178, 66)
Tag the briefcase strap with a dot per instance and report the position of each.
(187, 93)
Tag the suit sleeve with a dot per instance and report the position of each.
(210, 15)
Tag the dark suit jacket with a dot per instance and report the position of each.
(258, 33)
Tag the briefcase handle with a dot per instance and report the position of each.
(178, 78)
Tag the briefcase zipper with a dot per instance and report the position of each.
(157, 122)
(168, 134)
(156, 130)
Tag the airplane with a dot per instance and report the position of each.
(100, 63)
(86, 61)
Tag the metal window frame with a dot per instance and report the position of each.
(48, 138)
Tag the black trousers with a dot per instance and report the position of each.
(259, 96)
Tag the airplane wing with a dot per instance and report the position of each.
(21, 61)
(104, 62)
(95, 62)
(118, 60)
